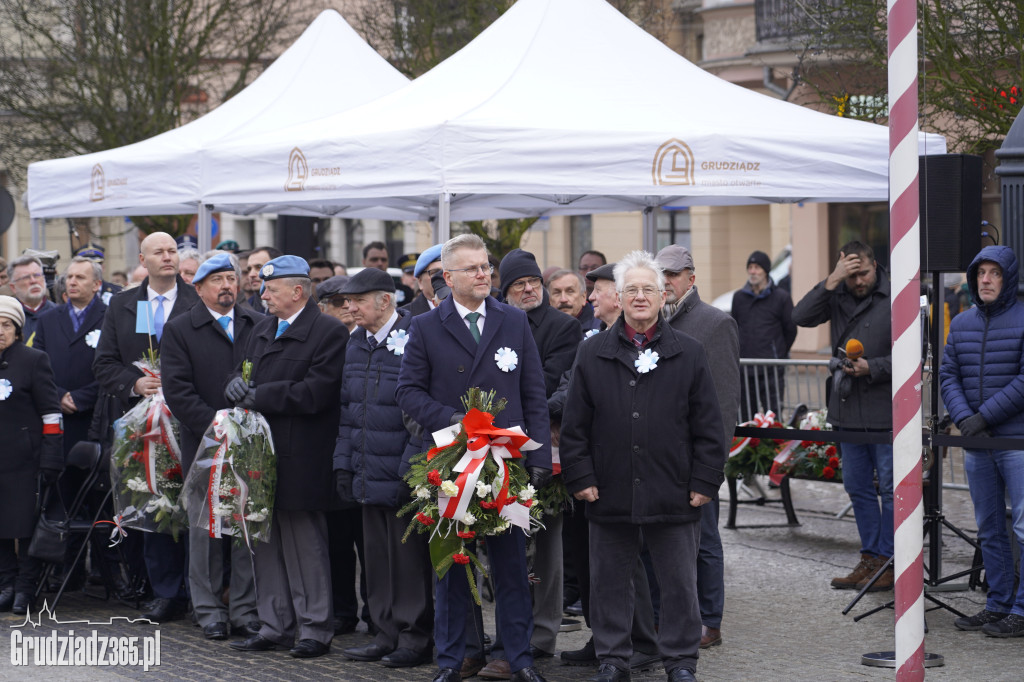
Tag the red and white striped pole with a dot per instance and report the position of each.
(905, 261)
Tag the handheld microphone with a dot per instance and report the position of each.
(854, 349)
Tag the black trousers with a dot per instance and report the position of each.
(17, 568)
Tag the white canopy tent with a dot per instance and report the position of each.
(559, 107)
(328, 69)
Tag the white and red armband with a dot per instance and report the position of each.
(53, 424)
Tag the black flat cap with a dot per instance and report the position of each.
(331, 287)
(369, 279)
(606, 271)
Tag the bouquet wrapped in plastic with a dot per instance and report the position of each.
(472, 483)
(230, 487)
(146, 463)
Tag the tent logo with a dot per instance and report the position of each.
(673, 164)
(97, 183)
(298, 171)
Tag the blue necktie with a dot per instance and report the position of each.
(639, 340)
(224, 322)
(76, 319)
(158, 317)
(372, 340)
(281, 326)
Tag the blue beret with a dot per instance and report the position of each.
(219, 263)
(367, 280)
(426, 258)
(285, 266)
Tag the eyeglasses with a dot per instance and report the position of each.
(431, 273)
(475, 270)
(646, 292)
(520, 284)
(30, 276)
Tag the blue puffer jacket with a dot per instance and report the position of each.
(372, 439)
(983, 367)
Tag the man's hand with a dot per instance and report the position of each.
(587, 494)
(343, 485)
(146, 386)
(975, 425)
(696, 499)
(857, 368)
(847, 265)
(67, 404)
(539, 477)
(240, 394)
(457, 418)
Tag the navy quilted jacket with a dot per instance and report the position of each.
(371, 437)
(983, 367)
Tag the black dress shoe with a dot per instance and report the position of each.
(681, 675)
(406, 658)
(345, 626)
(22, 603)
(6, 599)
(539, 653)
(309, 648)
(447, 675)
(162, 610)
(248, 630)
(583, 656)
(215, 631)
(528, 674)
(609, 673)
(256, 643)
(367, 652)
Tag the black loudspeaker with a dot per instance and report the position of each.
(950, 191)
(295, 235)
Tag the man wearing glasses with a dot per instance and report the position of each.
(450, 350)
(29, 285)
(643, 443)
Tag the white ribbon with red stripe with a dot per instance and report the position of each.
(761, 421)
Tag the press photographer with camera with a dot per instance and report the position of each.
(855, 298)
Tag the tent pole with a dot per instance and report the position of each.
(38, 238)
(443, 228)
(650, 241)
(204, 227)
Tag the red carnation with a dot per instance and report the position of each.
(778, 441)
(255, 475)
(831, 451)
(828, 472)
(234, 491)
(806, 444)
(812, 455)
(424, 519)
(754, 442)
(137, 456)
(236, 517)
(466, 534)
(460, 558)
(173, 472)
(488, 505)
(833, 462)
(528, 503)
(434, 477)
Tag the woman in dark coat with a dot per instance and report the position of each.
(32, 454)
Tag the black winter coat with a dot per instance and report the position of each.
(27, 392)
(298, 390)
(557, 336)
(765, 322)
(197, 359)
(372, 439)
(645, 440)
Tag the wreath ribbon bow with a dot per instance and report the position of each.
(761, 421)
(483, 439)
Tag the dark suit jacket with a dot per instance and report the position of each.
(298, 390)
(197, 358)
(71, 357)
(418, 306)
(442, 361)
(120, 345)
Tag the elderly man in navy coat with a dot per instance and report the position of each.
(199, 351)
(450, 350)
(297, 354)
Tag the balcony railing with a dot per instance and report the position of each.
(783, 19)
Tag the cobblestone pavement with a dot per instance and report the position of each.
(782, 621)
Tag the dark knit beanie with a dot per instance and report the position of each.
(515, 265)
(760, 258)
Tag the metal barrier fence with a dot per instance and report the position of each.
(786, 386)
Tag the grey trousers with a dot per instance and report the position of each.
(547, 594)
(399, 591)
(614, 548)
(206, 580)
(293, 579)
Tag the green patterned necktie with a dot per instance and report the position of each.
(473, 328)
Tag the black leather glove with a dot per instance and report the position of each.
(975, 425)
(457, 417)
(539, 477)
(236, 390)
(48, 476)
(343, 484)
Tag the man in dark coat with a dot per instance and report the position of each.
(198, 352)
(983, 390)
(69, 334)
(297, 354)
(29, 286)
(119, 346)
(644, 464)
(855, 299)
(450, 350)
(764, 315)
(716, 331)
(31, 458)
(368, 461)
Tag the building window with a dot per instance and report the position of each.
(581, 233)
(353, 242)
(867, 223)
(673, 224)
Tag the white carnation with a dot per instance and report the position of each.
(468, 519)
(421, 492)
(527, 493)
(449, 488)
(482, 489)
(137, 484)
